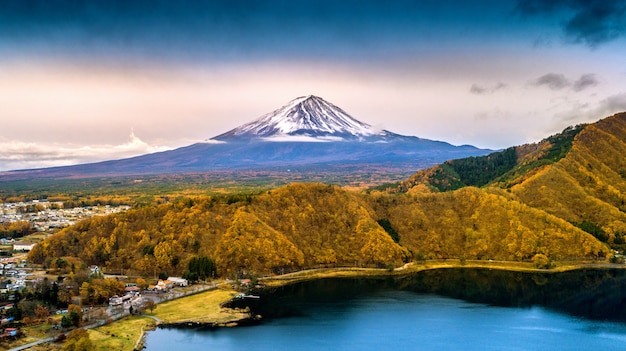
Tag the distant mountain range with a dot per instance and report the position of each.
(306, 132)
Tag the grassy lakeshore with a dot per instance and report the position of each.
(121, 335)
(201, 308)
(127, 333)
(414, 267)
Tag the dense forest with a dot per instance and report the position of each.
(15, 229)
(311, 225)
(578, 175)
(560, 199)
(502, 166)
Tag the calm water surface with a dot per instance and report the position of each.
(440, 310)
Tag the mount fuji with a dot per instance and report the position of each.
(307, 118)
(307, 134)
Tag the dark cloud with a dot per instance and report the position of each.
(592, 22)
(486, 89)
(477, 89)
(613, 104)
(557, 81)
(585, 81)
(553, 81)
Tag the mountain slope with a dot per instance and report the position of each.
(304, 225)
(474, 224)
(578, 175)
(506, 167)
(589, 183)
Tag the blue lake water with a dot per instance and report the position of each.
(399, 315)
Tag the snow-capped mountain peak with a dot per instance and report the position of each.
(306, 117)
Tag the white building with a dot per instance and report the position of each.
(178, 281)
(23, 246)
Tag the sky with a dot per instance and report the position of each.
(84, 81)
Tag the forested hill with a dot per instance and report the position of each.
(504, 168)
(560, 199)
(578, 175)
(311, 225)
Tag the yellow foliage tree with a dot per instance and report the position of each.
(251, 246)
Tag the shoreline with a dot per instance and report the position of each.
(413, 267)
(206, 325)
(351, 272)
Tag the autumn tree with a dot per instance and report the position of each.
(15, 229)
(141, 283)
(98, 291)
(250, 245)
(163, 253)
(541, 261)
(149, 304)
(78, 340)
(378, 247)
(41, 312)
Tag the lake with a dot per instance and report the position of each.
(472, 309)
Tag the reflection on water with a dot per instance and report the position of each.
(434, 310)
(595, 294)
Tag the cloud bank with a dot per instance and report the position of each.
(557, 81)
(25, 155)
(486, 89)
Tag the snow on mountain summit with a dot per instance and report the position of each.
(304, 117)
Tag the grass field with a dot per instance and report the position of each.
(120, 335)
(203, 307)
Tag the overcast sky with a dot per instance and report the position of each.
(92, 80)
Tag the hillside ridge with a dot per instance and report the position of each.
(578, 175)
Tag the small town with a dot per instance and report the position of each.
(42, 305)
(45, 216)
(20, 317)
(18, 278)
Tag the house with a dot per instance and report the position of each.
(134, 289)
(178, 281)
(10, 332)
(23, 246)
(156, 289)
(115, 301)
(127, 297)
(165, 284)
